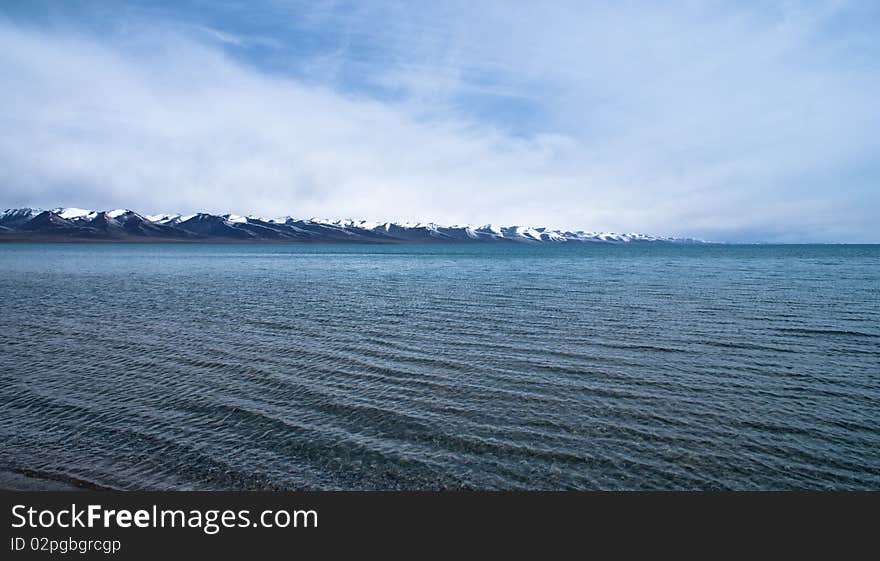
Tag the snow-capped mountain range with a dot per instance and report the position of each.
(126, 225)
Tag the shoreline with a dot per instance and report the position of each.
(28, 480)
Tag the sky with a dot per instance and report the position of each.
(726, 121)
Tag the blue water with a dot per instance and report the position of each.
(441, 367)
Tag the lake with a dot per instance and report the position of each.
(496, 366)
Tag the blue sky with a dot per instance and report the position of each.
(733, 121)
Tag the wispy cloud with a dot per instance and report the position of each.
(725, 122)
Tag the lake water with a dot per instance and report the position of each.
(214, 366)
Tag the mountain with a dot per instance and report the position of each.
(75, 224)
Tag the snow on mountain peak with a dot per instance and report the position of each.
(316, 229)
(69, 213)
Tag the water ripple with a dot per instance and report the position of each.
(339, 367)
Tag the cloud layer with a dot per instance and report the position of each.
(730, 125)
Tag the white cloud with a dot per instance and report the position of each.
(707, 126)
(186, 127)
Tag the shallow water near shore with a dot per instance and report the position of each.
(216, 366)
